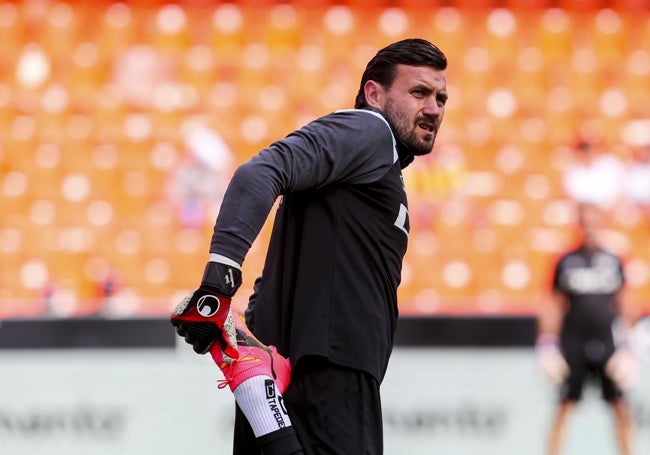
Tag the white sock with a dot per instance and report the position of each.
(262, 405)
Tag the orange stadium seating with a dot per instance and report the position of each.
(95, 100)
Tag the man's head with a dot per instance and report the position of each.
(589, 217)
(406, 81)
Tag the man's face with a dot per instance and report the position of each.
(415, 105)
(590, 220)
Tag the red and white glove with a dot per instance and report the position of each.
(550, 358)
(204, 315)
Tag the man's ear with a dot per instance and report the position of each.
(374, 94)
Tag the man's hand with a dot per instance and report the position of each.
(550, 359)
(623, 367)
(204, 316)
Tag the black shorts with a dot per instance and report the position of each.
(333, 409)
(586, 369)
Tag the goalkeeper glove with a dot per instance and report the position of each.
(204, 316)
(623, 367)
(550, 359)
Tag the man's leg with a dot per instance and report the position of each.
(279, 442)
(623, 425)
(335, 409)
(570, 394)
(257, 378)
(558, 427)
(614, 396)
(244, 441)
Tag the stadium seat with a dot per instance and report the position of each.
(87, 157)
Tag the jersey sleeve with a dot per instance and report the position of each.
(346, 147)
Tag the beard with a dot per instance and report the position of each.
(407, 131)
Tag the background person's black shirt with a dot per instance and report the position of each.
(590, 280)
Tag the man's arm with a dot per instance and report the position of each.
(550, 316)
(329, 150)
(627, 310)
(353, 147)
(547, 346)
(623, 366)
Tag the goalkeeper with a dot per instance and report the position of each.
(585, 333)
(327, 298)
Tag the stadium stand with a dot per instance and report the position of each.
(95, 96)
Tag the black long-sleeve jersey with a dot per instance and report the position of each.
(333, 266)
(590, 280)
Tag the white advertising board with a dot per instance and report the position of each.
(162, 402)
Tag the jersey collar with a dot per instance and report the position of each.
(404, 154)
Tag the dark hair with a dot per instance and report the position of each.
(412, 52)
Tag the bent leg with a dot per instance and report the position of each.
(335, 409)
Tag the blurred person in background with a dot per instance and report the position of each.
(594, 177)
(584, 334)
(197, 186)
(327, 298)
(637, 180)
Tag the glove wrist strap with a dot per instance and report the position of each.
(220, 258)
(225, 278)
(547, 339)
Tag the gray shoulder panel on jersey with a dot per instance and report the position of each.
(379, 116)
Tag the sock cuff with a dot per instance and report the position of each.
(281, 442)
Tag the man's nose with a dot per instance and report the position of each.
(433, 108)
